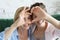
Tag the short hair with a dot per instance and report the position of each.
(38, 4)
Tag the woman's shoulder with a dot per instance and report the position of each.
(2, 35)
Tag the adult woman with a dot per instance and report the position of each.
(18, 30)
(41, 25)
(52, 31)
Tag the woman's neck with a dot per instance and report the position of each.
(22, 33)
(39, 31)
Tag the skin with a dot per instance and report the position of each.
(41, 14)
(40, 30)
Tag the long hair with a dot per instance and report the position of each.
(16, 16)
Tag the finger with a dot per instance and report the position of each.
(42, 24)
(37, 7)
(27, 9)
(24, 8)
(28, 14)
(32, 10)
(35, 20)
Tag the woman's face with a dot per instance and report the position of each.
(38, 22)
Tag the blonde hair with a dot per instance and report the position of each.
(18, 12)
(16, 16)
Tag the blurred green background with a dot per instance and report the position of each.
(7, 22)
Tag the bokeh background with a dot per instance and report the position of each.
(8, 8)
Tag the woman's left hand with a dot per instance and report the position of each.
(39, 13)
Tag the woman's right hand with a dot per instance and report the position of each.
(23, 18)
(39, 13)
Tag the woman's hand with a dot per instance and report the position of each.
(39, 13)
(23, 18)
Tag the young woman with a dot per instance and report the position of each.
(41, 25)
(18, 30)
(52, 32)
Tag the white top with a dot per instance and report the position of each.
(52, 33)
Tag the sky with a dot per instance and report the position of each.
(8, 7)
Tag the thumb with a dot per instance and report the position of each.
(35, 20)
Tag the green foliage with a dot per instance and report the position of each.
(5, 23)
(57, 16)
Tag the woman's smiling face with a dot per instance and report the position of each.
(34, 5)
(34, 16)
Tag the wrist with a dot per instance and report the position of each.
(46, 16)
(53, 21)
